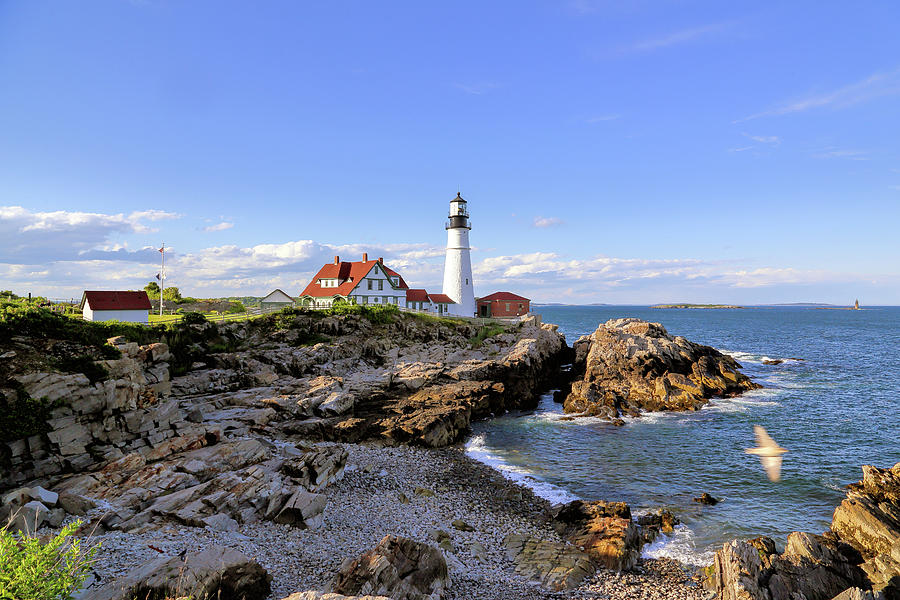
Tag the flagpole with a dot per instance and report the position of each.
(162, 277)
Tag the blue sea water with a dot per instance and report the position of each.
(835, 410)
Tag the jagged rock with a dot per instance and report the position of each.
(812, 567)
(653, 524)
(604, 530)
(869, 520)
(557, 565)
(317, 468)
(214, 572)
(858, 594)
(706, 499)
(29, 518)
(630, 365)
(315, 595)
(397, 567)
(44, 496)
(303, 510)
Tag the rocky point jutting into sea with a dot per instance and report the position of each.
(307, 454)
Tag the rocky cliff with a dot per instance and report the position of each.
(859, 557)
(407, 380)
(629, 365)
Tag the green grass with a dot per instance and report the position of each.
(435, 319)
(484, 333)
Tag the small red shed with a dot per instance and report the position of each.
(503, 304)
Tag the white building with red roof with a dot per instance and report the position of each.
(130, 307)
(367, 282)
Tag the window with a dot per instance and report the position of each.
(370, 283)
(380, 284)
(467, 281)
(507, 306)
(375, 269)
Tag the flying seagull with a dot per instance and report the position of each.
(768, 452)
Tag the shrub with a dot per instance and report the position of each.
(193, 318)
(82, 364)
(22, 416)
(484, 333)
(51, 571)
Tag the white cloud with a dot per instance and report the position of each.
(838, 153)
(219, 227)
(36, 237)
(764, 139)
(547, 221)
(675, 38)
(602, 118)
(874, 86)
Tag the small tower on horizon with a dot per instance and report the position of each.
(458, 283)
(856, 305)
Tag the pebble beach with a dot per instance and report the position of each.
(417, 493)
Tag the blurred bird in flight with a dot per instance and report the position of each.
(769, 452)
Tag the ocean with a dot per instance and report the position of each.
(834, 403)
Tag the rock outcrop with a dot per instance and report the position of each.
(858, 557)
(604, 530)
(399, 568)
(96, 423)
(218, 486)
(628, 365)
(214, 572)
(556, 565)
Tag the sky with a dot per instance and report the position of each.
(611, 152)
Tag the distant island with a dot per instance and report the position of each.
(854, 307)
(697, 306)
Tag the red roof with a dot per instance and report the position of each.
(348, 274)
(116, 300)
(417, 295)
(503, 297)
(441, 299)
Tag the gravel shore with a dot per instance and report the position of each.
(409, 492)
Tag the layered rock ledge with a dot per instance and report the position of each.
(857, 558)
(628, 365)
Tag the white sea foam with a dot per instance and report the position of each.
(477, 449)
(680, 546)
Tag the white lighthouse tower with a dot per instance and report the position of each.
(458, 282)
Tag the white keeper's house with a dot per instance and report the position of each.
(367, 282)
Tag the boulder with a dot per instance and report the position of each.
(303, 509)
(214, 572)
(556, 565)
(399, 568)
(706, 499)
(629, 365)
(604, 530)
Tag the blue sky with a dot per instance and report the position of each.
(614, 152)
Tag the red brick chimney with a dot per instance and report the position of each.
(380, 260)
(337, 260)
(365, 256)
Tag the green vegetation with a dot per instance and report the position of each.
(82, 363)
(484, 333)
(22, 416)
(436, 319)
(378, 314)
(43, 571)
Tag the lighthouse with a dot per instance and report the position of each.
(458, 284)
